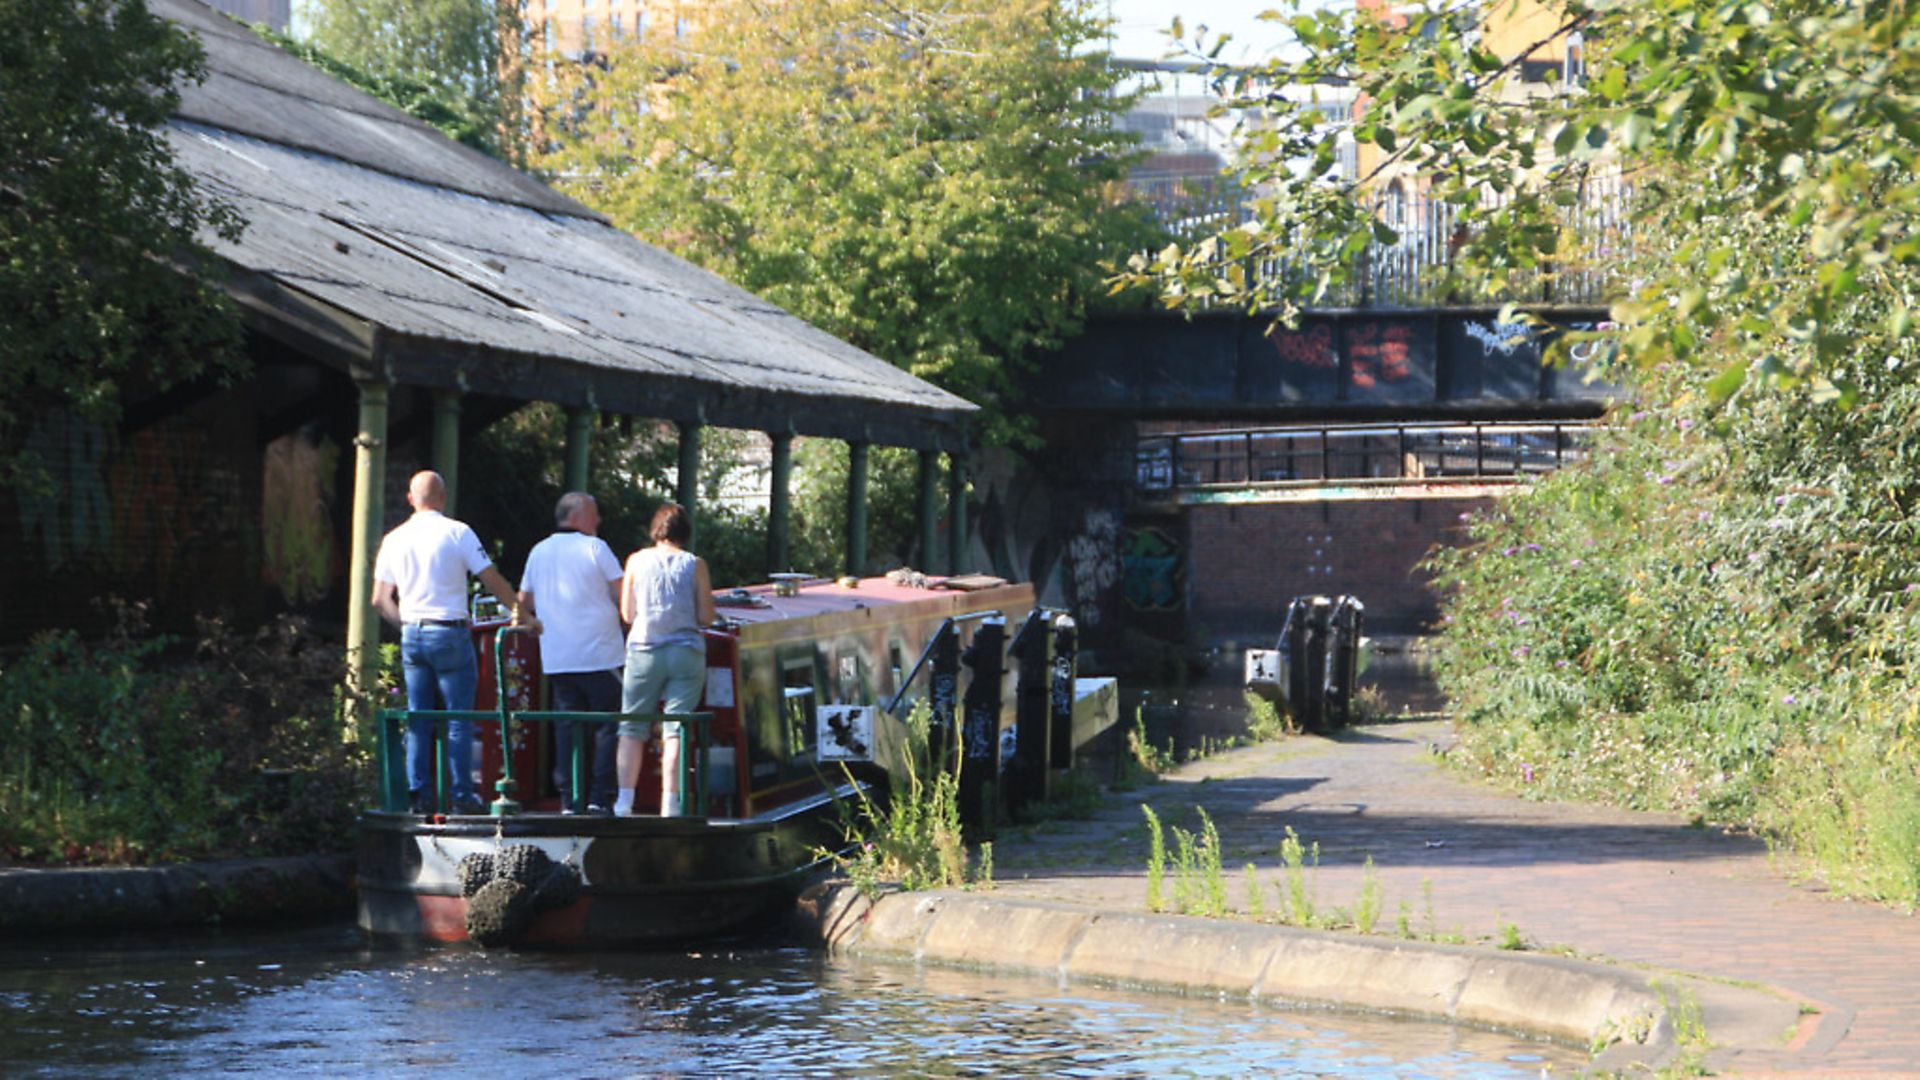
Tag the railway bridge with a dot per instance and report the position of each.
(1233, 464)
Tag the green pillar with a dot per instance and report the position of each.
(369, 514)
(927, 508)
(579, 445)
(857, 508)
(687, 492)
(956, 512)
(446, 443)
(780, 505)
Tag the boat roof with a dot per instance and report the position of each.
(379, 246)
(822, 596)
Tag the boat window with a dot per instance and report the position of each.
(796, 688)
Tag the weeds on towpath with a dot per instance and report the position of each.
(1186, 877)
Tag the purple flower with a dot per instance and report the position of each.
(1510, 551)
(1779, 500)
(1559, 663)
(1466, 515)
(1576, 562)
(1910, 588)
(1637, 417)
(1789, 700)
(1754, 556)
(1706, 516)
(1685, 424)
(1520, 652)
(1526, 772)
(1533, 547)
(1665, 480)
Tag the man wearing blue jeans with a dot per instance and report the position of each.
(420, 585)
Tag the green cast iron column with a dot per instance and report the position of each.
(687, 492)
(369, 514)
(857, 508)
(956, 512)
(780, 505)
(927, 508)
(446, 443)
(579, 447)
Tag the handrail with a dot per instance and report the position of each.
(926, 653)
(392, 725)
(1307, 456)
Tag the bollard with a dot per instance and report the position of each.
(1066, 652)
(943, 693)
(980, 727)
(1027, 775)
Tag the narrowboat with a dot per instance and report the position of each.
(807, 684)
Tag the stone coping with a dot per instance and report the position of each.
(1630, 1016)
(292, 888)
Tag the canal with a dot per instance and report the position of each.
(323, 1002)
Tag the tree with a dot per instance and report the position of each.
(437, 59)
(1791, 122)
(102, 288)
(933, 185)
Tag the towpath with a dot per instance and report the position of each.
(1453, 858)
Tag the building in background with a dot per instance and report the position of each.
(584, 26)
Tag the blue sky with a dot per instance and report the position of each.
(1138, 25)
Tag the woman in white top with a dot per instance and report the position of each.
(666, 597)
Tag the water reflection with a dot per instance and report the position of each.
(323, 1003)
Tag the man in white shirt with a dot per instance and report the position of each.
(420, 585)
(573, 582)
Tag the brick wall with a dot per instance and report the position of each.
(1246, 562)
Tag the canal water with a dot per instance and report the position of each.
(325, 1003)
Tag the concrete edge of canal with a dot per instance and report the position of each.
(293, 888)
(1633, 1014)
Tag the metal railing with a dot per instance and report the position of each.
(1415, 270)
(395, 796)
(1358, 454)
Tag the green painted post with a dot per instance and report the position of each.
(927, 508)
(369, 514)
(687, 492)
(956, 512)
(446, 443)
(579, 446)
(780, 506)
(857, 508)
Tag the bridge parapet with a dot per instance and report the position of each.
(1373, 460)
(1451, 363)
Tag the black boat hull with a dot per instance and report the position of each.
(647, 881)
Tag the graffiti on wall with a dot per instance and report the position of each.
(1155, 568)
(1093, 562)
(1380, 353)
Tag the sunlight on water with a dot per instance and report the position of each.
(322, 1003)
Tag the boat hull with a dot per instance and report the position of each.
(646, 881)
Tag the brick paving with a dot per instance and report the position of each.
(1454, 858)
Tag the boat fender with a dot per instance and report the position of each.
(474, 871)
(500, 912)
(507, 889)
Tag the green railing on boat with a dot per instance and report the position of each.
(695, 740)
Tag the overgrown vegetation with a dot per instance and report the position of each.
(142, 749)
(936, 186)
(911, 838)
(105, 292)
(1716, 615)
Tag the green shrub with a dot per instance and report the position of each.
(1718, 614)
(913, 838)
(125, 751)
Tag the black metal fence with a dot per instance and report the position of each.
(1358, 454)
(1415, 271)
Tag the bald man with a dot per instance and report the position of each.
(420, 585)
